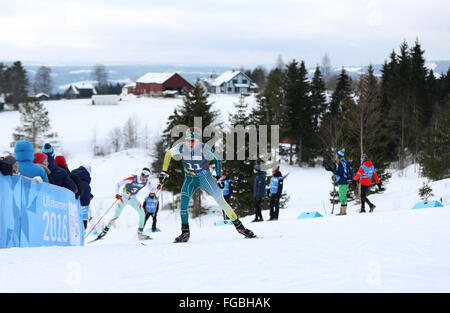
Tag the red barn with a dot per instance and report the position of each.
(159, 82)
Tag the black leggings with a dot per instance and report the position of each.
(364, 200)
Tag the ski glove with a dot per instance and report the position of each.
(119, 197)
(163, 177)
(220, 182)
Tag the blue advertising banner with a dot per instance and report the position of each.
(36, 214)
(10, 195)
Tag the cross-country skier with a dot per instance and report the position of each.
(344, 173)
(127, 196)
(364, 175)
(195, 156)
(151, 207)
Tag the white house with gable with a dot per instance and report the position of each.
(230, 82)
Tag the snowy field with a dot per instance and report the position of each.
(394, 249)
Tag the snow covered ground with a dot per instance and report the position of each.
(394, 249)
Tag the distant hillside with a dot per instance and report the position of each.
(64, 75)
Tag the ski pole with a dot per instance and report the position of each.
(100, 219)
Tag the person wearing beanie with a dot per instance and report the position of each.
(259, 191)
(59, 176)
(83, 175)
(48, 150)
(343, 172)
(151, 207)
(13, 162)
(41, 159)
(24, 154)
(126, 195)
(364, 175)
(62, 163)
(275, 190)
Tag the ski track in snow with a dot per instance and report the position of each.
(394, 249)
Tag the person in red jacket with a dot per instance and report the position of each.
(364, 175)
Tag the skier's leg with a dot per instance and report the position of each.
(117, 212)
(136, 205)
(189, 186)
(188, 189)
(208, 183)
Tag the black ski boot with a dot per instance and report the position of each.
(141, 235)
(185, 233)
(242, 230)
(372, 207)
(103, 233)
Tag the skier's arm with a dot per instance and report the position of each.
(168, 156)
(122, 183)
(212, 155)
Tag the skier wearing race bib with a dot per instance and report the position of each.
(275, 190)
(195, 156)
(364, 175)
(126, 191)
(151, 207)
(344, 173)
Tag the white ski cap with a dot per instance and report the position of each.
(87, 167)
(153, 189)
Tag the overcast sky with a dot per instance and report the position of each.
(211, 32)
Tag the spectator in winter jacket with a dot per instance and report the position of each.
(59, 176)
(5, 168)
(61, 162)
(227, 191)
(83, 173)
(41, 159)
(364, 175)
(9, 159)
(275, 190)
(259, 191)
(343, 172)
(151, 207)
(24, 153)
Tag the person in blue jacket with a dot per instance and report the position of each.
(275, 190)
(84, 174)
(259, 191)
(151, 207)
(344, 174)
(59, 176)
(24, 153)
(227, 191)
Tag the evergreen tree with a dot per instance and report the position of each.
(435, 159)
(422, 108)
(35, 125)
(240, 171)
(318, 98)
(17, 79)
(274, 95)
(298, 113)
